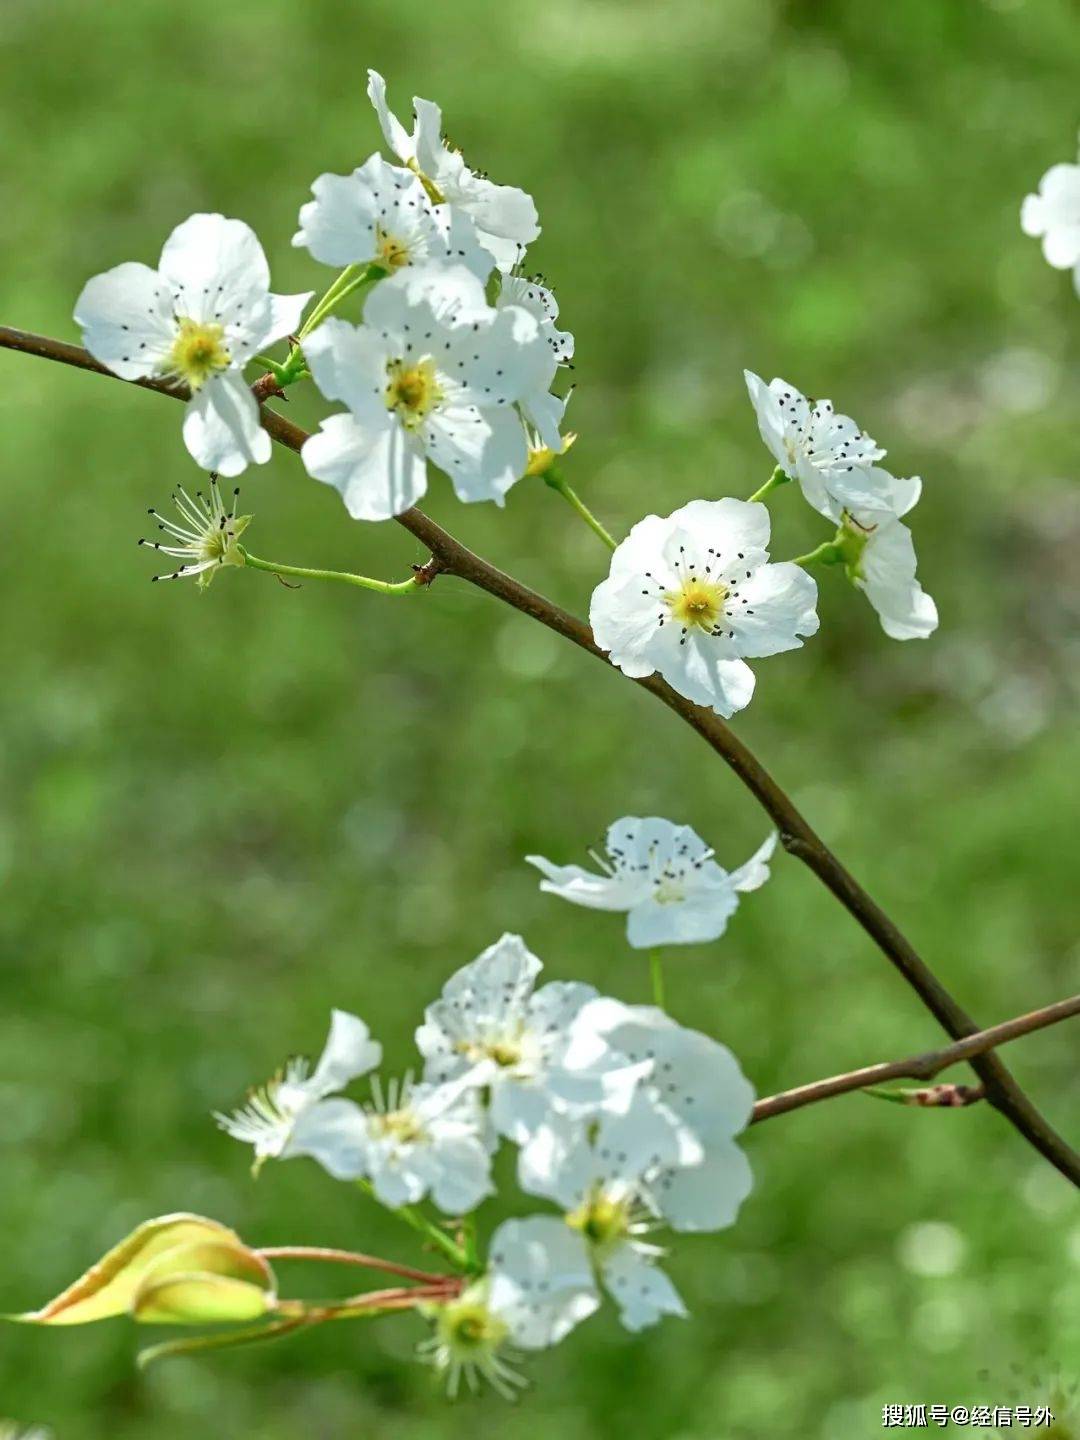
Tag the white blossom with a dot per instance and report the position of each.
(833, 460)
(537, 1289)
(275, 1117)
(692, 595)
(663, 877)
(410, 1141)
(197, 319)
(880, 560)
(382, 215)
(494, 1029)
(206, 536)
(1053, 215)
(433, 374)
(505, 217)
(688, 1076)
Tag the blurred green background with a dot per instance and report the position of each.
(225, 813)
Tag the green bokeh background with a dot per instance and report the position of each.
(225, 813)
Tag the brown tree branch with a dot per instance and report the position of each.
(797, 835)
(916, 1067)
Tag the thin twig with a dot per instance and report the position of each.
(916, 1067)
(798, 836)
(349, 1257)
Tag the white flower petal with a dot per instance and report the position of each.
(348, 363)
(770, 420)
(463, 1177)
(755, 872)
(394, 133)
(222, 430)
(778, 604)
(702, 672)
(580, 887)
(541, 1280)
(700, 917)
(706, 1196)
(379, 469)
(283, 318)
(643, 1293)
(484, 452)
(349, 1052)
(333, 1132)
(887, 576)
(736, 529)
(217, 270)
(126, 316)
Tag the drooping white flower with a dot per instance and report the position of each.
(663, 877)
(879, 556)
(542, 410)
(833, 460)
(434, 373)
(492, 1028)
(205, 538)
(689, 1077)
(381, 214)
(197, 319)
(692, 595)
(1053, 215)
(537, 1288)
(411, 1141)
(274, 1118)
(505, 217)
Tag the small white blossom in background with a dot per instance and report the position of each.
(693, 595)
(1053, 215)
(382, 215)
(433, 373)
(880, 561)
(505, 217)
(663, 877)
(276, 1117)
(493, 1029)
(205, 537)
(10, 1430)
(197, 319)
(833, 460)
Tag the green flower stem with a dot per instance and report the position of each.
(570, 495)
(381, 587)
(776, 479)
(462, 1257)
(829, 552)
(656, 974)
(351, 279)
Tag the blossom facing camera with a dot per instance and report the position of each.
(277, 1118)
(206, 536)
(693, 596)
(382, 215)
(505, 217)
(833, 460)
(1052, 215)
(196, 320)
(433, 373)
(663, 877)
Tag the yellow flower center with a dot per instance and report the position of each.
(391, 252)
(697, 603)
(506, 1052)
(412, 390)
(467, 1325)
(602, 1220)
(198, 352)
(399, 1125)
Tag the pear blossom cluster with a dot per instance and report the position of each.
(452, 365)
(1052, 215)
(625, 1124)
